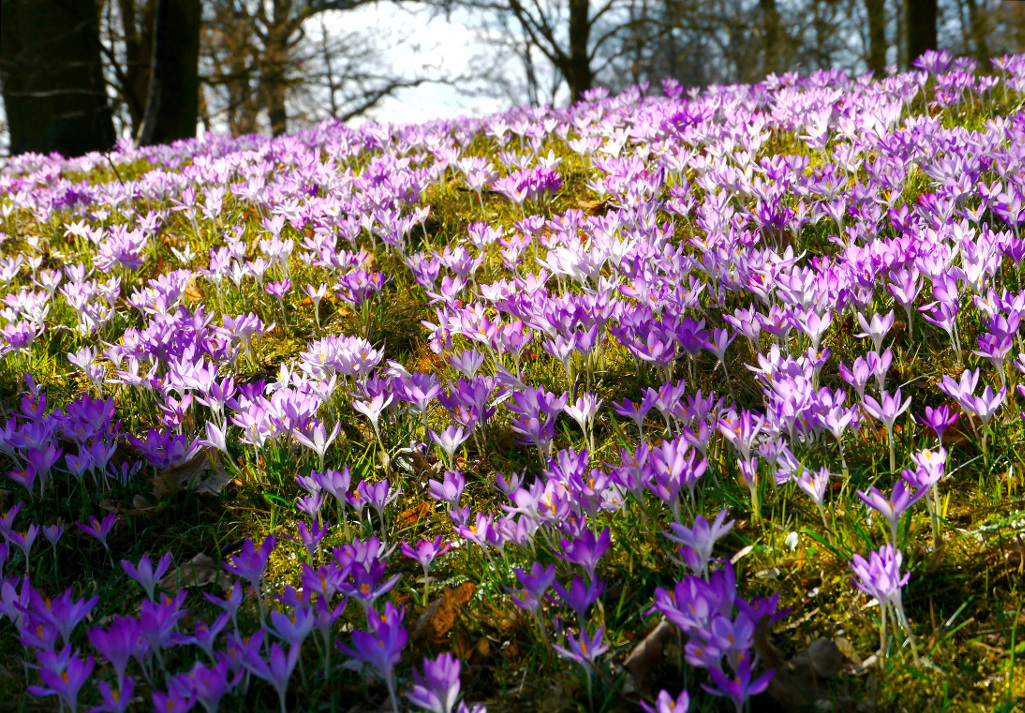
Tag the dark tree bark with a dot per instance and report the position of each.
(578, 72)
(979, 30)
(770, 23)
(172, 99)
(179, 59)
(921, 27)
(137, 32)
(53, 86)
(876, 11)
(154, 94)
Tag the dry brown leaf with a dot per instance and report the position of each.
(473, 652)
(935, 559)
(423, 467)
(141, 507)
(192, 292)
(200, 571)
(592, 207)
(414, 515)
(201, 474)
(440, 617)
(801, 681)
(646, 656)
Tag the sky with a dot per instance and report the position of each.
(433, 45)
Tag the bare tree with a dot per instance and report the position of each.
(578, 39)
(292, 61)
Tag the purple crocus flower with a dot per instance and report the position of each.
(382, 646)
(891, 509)
(586, 549)
(276, 671)
(378, 496)
(250, 563)
(117, 644)
(53, 534)
(115, 700)
(294, 629)
(583, 649)
(637, 412)
(205, 634)
(887, 410)
(335, 482)
(99, 528)
(229, 604)
(425, 553)
(450, 440)
(742, 431)
(815, 484)
(145, 574)
(876, 329)
(173, 701)
(437, 690)
(579, 597)
(738, 689)
(373, 410)
(158, 620)
(366, 583)
(62, 612)
(665, 703)
(698, 542)
(208, 684)
(879, 577)
(535, 584)
(63, 675)
(317, 439)
(450, 489)
(939, 420)
(23, 541)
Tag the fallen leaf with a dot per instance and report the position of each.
(473, 653)
(935, 559)
(200, 571)
(141, 507)
(414, 515)
(847, 649)
(201, 474)
(440, 617)
(646, 656)
(801, 681)
(592, 207)
(192, 292)
(423, 466)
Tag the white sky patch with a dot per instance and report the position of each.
(415, 43)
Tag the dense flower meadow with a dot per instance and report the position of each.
(675, 401)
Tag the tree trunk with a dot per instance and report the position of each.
(921, 27)
(770, 23)
(876, 60)
(172, 101)
(53, 84)
(179, 108)
(276, 110)
(137, 56)
(578, 68)
(274, 76)
(978, 27)
(154, 95)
